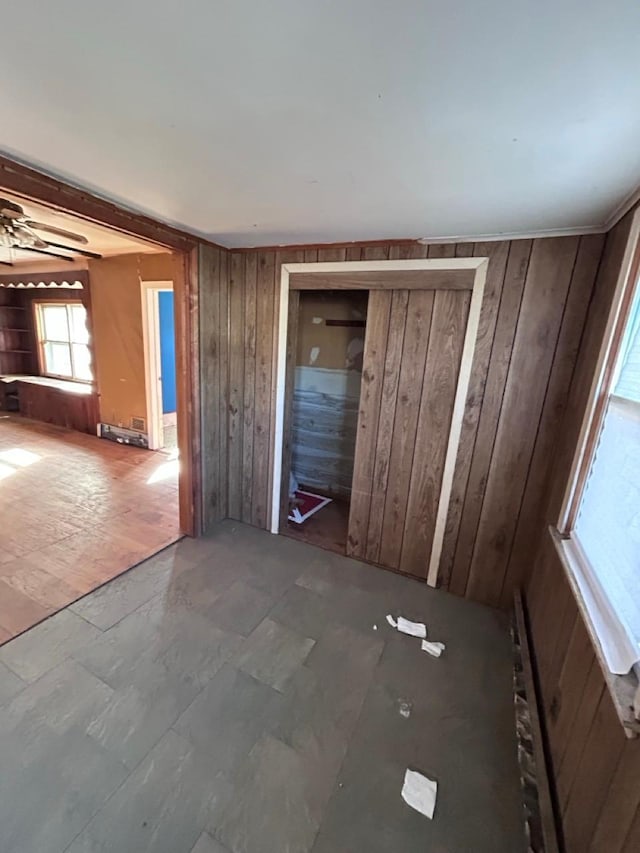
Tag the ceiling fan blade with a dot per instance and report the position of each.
(43, 252)
(10, 210)
(83, 252)
(23, 237)
(60, 232)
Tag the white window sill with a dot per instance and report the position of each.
(622, 688)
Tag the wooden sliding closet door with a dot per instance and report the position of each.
(413, 349)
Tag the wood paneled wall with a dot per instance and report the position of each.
(213, 338)
(596, 769)
(536, 298)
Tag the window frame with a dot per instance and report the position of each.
(41, 339)
(603, 380)
(584, 579)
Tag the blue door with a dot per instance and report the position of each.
(167, 351)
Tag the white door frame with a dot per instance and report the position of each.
(479, 267)
(152, 366)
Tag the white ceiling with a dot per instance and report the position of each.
(324, 120)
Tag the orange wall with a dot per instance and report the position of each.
(116, 308)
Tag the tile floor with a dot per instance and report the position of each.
(231, 695)
(75, 511)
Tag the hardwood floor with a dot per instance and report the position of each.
(75, 511)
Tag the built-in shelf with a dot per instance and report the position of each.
(12, 329)
(14, 307)
(16, 351)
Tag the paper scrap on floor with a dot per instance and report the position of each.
(414, 629)
(420, 793)
(434, 648)
(307, 505)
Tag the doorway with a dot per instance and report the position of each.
(326, 381)
(421, 325)
(160, 363)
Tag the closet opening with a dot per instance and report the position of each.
(326, 341)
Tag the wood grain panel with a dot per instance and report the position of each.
(188, 392)
(237, 305)
(223, 447)
(375, 348)
(632, 841)
(565, 355)
(386, 421)
(410, 382)
(539, 321)
(265, 324)
(470, 444)
(214, 283)
(376, 280)
(53, 406)
(596, 768)
(249, 409)
(600, 756)
(502, 550)
(444, 354)
(621, 804)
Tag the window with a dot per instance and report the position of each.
(603, 522)
(63, 340)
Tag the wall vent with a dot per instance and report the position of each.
(122, 435)
(139, 424)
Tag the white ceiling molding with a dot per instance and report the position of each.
(622, 209)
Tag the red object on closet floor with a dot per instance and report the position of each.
(306, 504)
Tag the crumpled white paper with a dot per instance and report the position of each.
(434, 648)
(414, 629)
(420, 793)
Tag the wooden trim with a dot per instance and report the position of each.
(292, 342)
(30, 280)
(410, 279)
(61, 195)
(602, 379)
(479, 267)
(457, 418)
(382, 268)
(185, 288)
(349, 244)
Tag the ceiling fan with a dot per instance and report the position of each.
(19, 232)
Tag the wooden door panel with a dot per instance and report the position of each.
(382, 448)
(413, 349)
(410, 382)
(375, 348)
(448, 326)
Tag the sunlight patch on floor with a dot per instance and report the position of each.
(19, 457)
(166, 471)
(6, 471)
